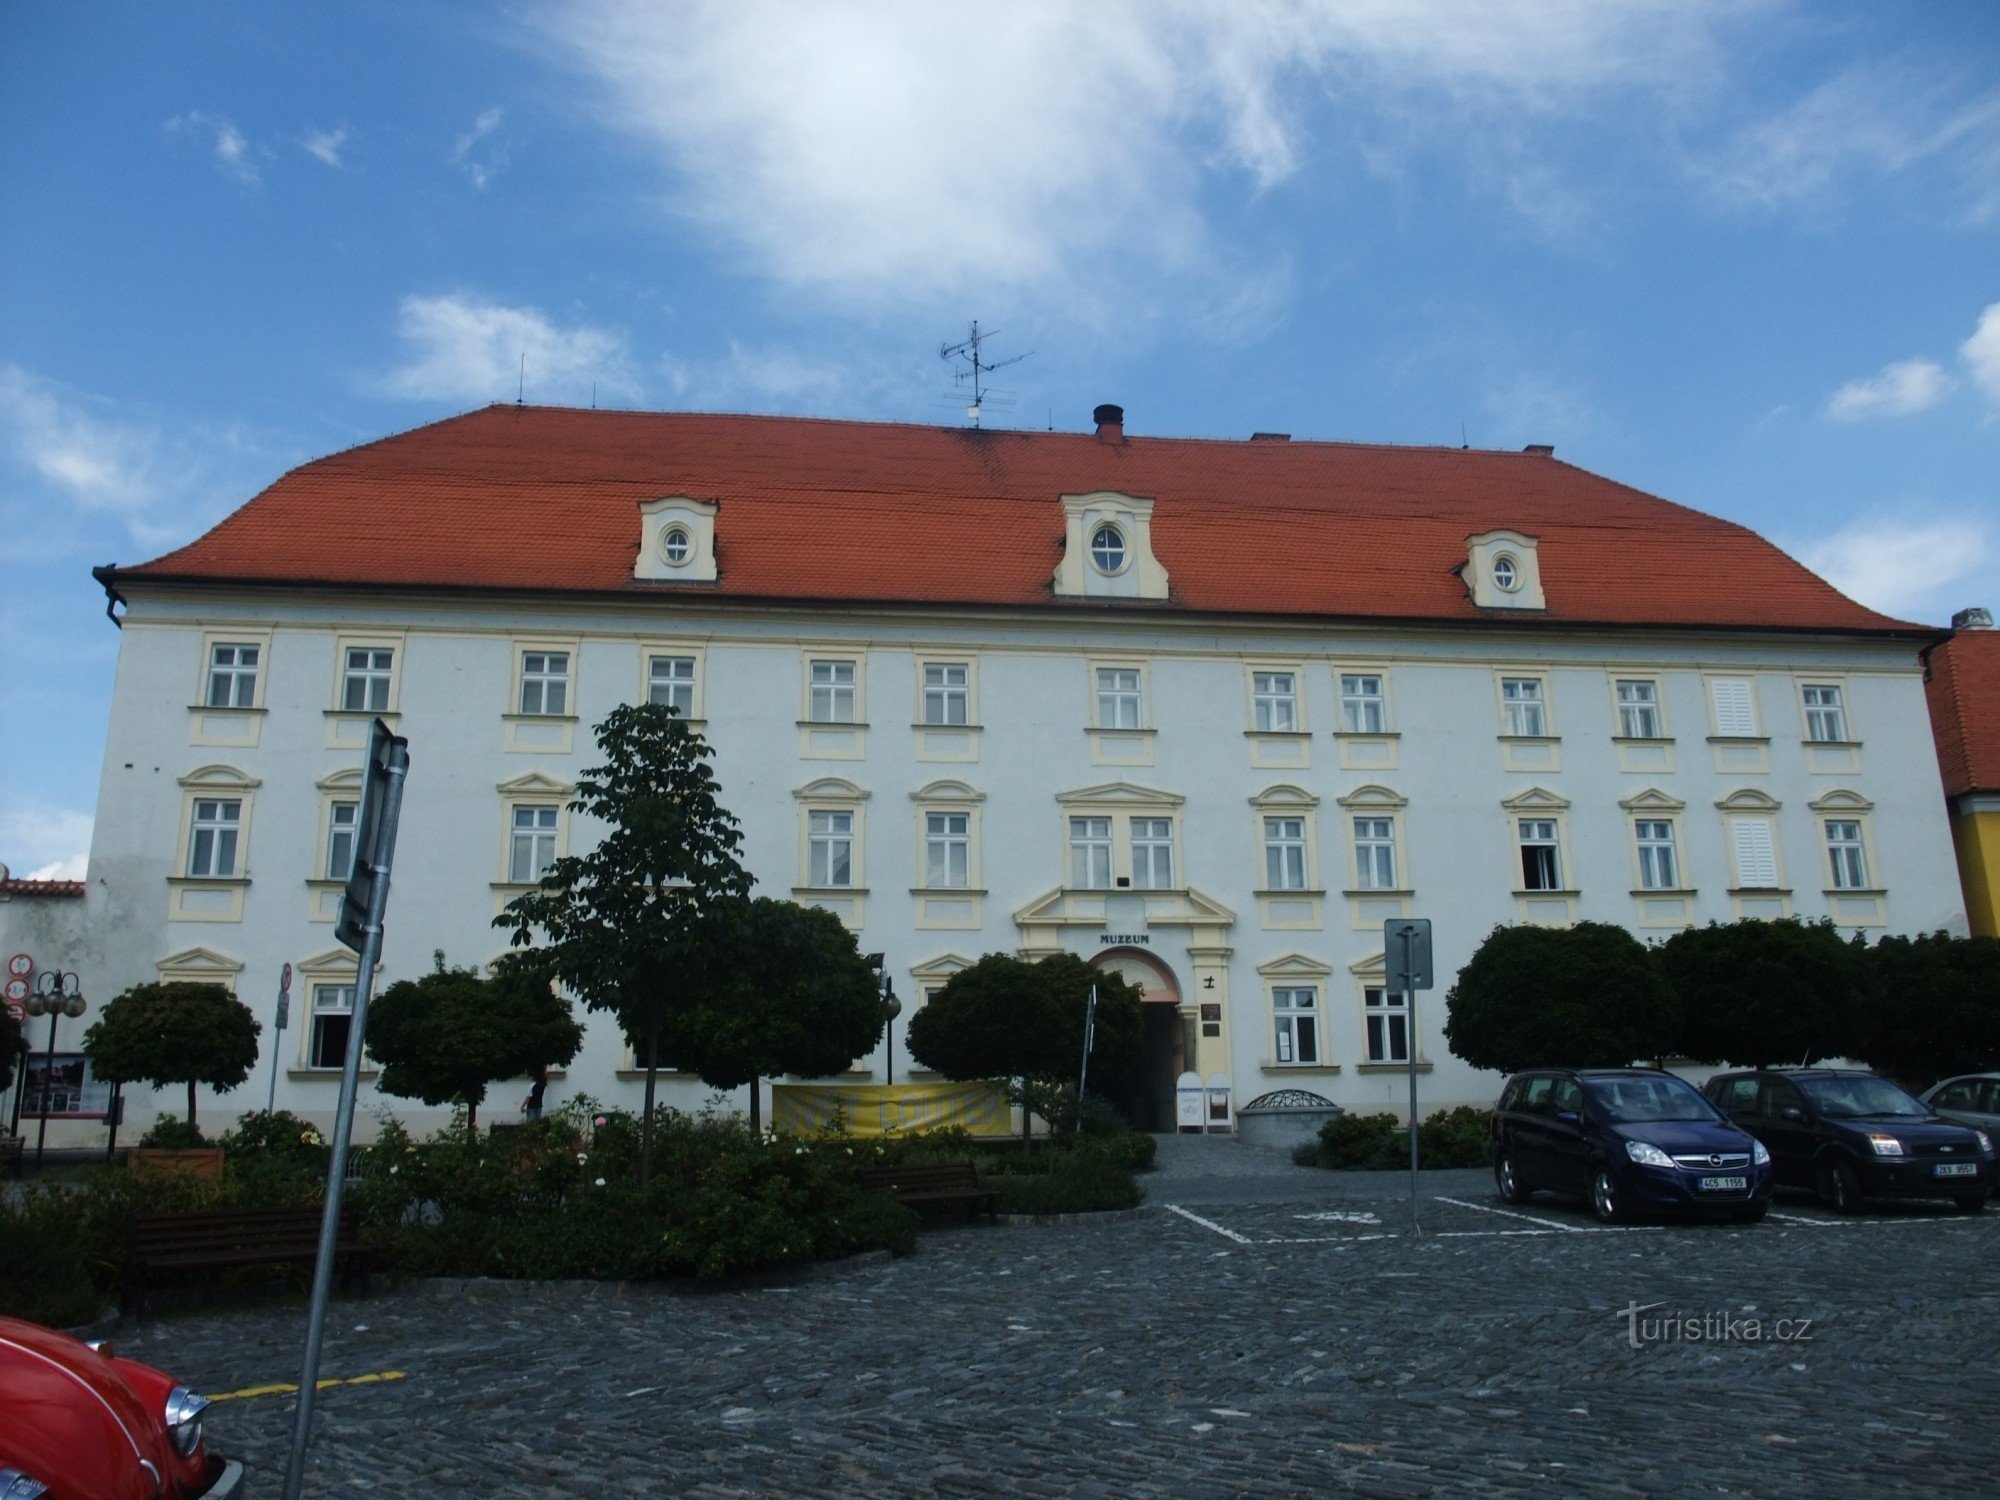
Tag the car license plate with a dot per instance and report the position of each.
(1956, 1169)
(1724, 1184)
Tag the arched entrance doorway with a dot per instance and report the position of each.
(1146, 1098)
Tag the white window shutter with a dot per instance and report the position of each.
(1756, 858)
(1735, 711)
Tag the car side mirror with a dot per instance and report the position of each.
(1567, 1116)
(1791, 1112)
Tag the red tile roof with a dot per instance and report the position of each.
(1964, 691)
(546, 499)
(11, 887)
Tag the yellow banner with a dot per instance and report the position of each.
(875, 1110)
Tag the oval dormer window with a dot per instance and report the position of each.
(1107, 549)
(676, 545)
(1506, 577)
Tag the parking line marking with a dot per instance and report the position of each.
(1228, 1234)
(1508, 1213)
(1802, 1219)
(287, 1388)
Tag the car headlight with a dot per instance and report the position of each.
(1885, 1145)
(1985, 1141)
(183, 1416)
(1760, 1154)
(1647, 1156)
(14, 1485)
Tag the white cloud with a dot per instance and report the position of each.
(1982, 352)
(477, 153)
(462, 348)
(100, 461)
(42, 842)
(1905, 564)
(326, 145)
(1907, 386)
(234, 155)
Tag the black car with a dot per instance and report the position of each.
(1628, 1139)
(1850, 1135)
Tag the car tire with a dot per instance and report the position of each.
(1751, 1214)
(1605, 1200)
(1840, 1187)
(1971, 1204)
(1507, 1180)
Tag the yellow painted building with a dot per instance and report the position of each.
(1963, 684)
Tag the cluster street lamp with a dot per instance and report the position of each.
(891, 1008)
(57, 992)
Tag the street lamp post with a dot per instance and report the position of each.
(57, 992)
(891, 1008)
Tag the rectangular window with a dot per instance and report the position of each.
(1285, 854)
(1375, 853)
(544, 683)
(1090, 853)
(670, 683)
(340, 823)
(1274, 698)
(1526, 714)
(947, 693)
(364, 680)
(830, 849)
(1843, 848)
(1540, 868)
(1296, 1011)
(1756, 853)
(948, 850)
(1826, 716)
(212, 841)
(1362, 707)
(534, 844)
(1659, 867)
(1153, 854)
(232, 676)
(332, 1020)
(1735, 707)
(1639, 710)
(1117, 697)
(1387, 1018)
(832, 692)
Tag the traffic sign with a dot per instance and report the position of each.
(17, 1011)
(17, 989)
(1406, 953)
(21, 965)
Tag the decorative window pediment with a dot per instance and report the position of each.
(1378, 796)
(831, 789)
(1501, 571)
(946, 791)
(1295, 966)
(1652, 800)
(535, 784)
(1375, 966)
(336, 965)
(676, 541)
(346, 780)
(1120, 793)
(939, 970)
(1108, 548)
(199, 966)
(1284, 795)
(223, 777)
(1842, 801)
(1749, 799)
(1536, 799)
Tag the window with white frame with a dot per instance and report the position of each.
(1090, 853)
(332, 1022)
(1659, 862)
(1363, 708)
(832, 698)
(1117, 697)
(1541, 865)
(532, 842)
(1734, 702)
(366, 676)
(341, 818)
(1153, 854)
(213, 836)
(1756, 853)
(1375, 853)
(1845, 852)
(1524, 708)
(232, 674)
(829, 849)
(1639, 708)
(1274, 699)
(1285, 854)
(947, 692)
(670, 684)
(1386, 1019)
(948, 850)
(1826, 715)
(544, 683)
(1295, 1012)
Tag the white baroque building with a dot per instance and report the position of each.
(1204, 712)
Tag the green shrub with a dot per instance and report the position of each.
(1364, 1143)
(172, 1134)
(1458, 1137)
(1378, 1143)
(1081, 1183)
(1132, 1149)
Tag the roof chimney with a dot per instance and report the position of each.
(1270, 437)
(1974, 618)
(1546, 450)
(1110, 422)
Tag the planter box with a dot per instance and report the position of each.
(199, 1161)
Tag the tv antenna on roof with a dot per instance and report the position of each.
(964, 356)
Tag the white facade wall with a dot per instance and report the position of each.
(1033, 701)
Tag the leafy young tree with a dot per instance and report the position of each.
(1006, 1018)
(443, 1038)
(174, 1033)
(1763, 994)
(1584, 996)
(1932, 1007)
(636, 927)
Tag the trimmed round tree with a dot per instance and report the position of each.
(165, 1034)
(1588, 996)
(1932, 1007)
(1763, 994)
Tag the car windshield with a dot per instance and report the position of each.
(1627, 1101)
(1861, 1098)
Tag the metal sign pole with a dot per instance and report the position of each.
(1408, 975)
(1089, 1035)
(396, 770)
(277, 1030)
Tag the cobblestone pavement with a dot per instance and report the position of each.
(1305, 1344)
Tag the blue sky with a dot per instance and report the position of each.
(1744, 255)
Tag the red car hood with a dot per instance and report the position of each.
(73, 1419)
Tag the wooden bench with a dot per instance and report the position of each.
(12, 1148)
(179, 1247)
(947, 1185)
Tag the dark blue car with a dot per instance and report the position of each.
(1629, 1140)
